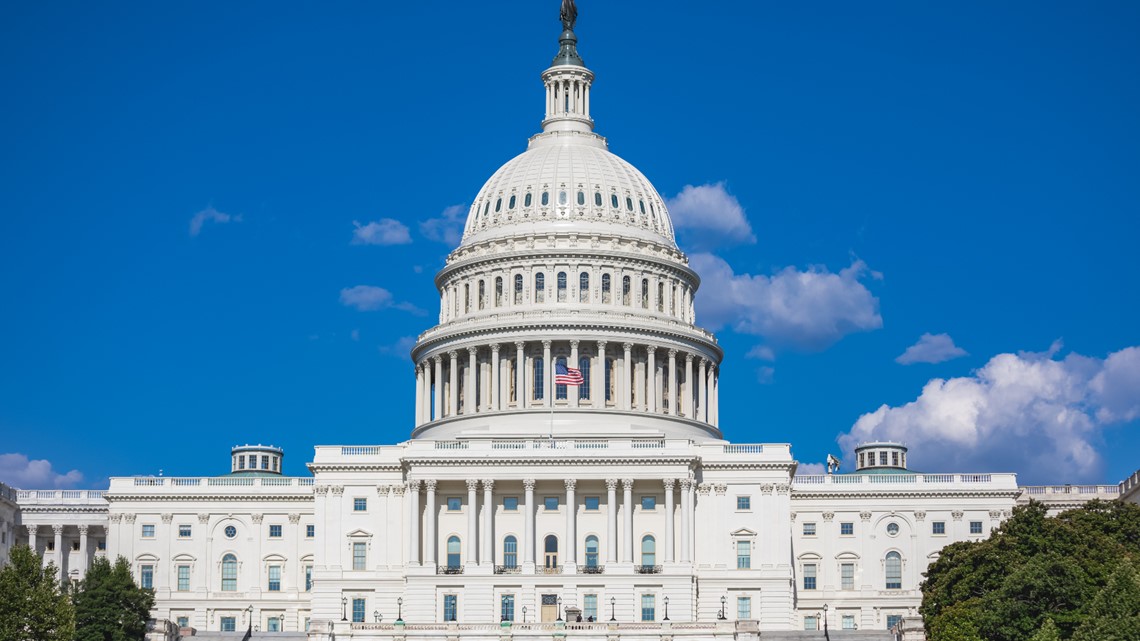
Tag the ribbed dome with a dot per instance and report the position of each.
(566, 182)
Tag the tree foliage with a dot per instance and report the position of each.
(33, 607)
(109, 606)
(1040, 578)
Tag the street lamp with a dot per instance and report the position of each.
(559, 609)
(666, 609)
(723, 601)
(344, 608)
(613, 601)
(376, 615)
(400, 612)
(825, 634)
(524, 614)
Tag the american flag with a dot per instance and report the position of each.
(567, 375)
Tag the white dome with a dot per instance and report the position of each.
(567, 181)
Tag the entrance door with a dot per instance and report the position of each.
(549, 607)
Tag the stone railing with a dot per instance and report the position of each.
(33, 497)
(1108, 491)
(818, 481)
(183, 483)
(601, 630)
(647, 569)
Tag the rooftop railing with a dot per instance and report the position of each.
(809, 481)
(26, 496)
(1055, 490)
(213, 481)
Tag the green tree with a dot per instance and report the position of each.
(109, 606)
(1048, 632)
(1114, 614)
(32, 605)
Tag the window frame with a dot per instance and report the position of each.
(743, 503)
(359, 504)
(510, 504)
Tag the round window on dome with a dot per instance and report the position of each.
(597, 199)
(581, 198)
(526, 200)
(498, 205)
(562, 198)
(511, 202)
(613, 201)
(893, 529)
(545, 198)
(230, 531)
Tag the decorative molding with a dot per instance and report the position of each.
(167, 518)
(704, 488)
(257, 518)
(571, 484)
(294, 518)
(828, 516)
(957, 514)
(57, 529)
(528, 485)
(920, 516)
(865, 516)
(627, 484)
(767, 488)
(783, 488)
(337, 489)
(668, 483)
(611, 484)
(431, 484)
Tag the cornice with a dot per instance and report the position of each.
(157, 496)
(413, 461)
(355, 467)
(77, 509)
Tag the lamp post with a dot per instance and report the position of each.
(524, 614)
(613, 615)
(825, 634)
(376, 615)
(666, 609)
(559, 609)
(344, 608)
(400, 612)
(249, 612)
(723, 601)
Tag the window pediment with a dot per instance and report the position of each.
(359, 534)
(743, 532)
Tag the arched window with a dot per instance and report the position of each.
(539, 287)
(482, 293)
(560, 390)
(550, 547)
(229, 573)
(498, 291)
(562, 287)
(526, 200)
(511, 202)
(581, 197)
(894, 571)
(518, 289)
(583, 287)
(498, 205)
(584, 388)
(511, 552)
(454, 559)
(625, 290)
(610, 380)
(591, 551)
(545, 198)
(648, 550)
(645, 293)
(597, 199)
(562, 199)
(628, 203)
(613, 201)
(538, 381)
(606, 288)
(466, 298)
(660, 297)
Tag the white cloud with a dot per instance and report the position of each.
(761, 353)
(447, 228)
(765, 375)
(19, 471)
(807, 469)
(809, 309)
(931, 348)
(210, 214)
(711, 214)
(1027, 413)
(367, 298)
(386, 231)
(401, 348)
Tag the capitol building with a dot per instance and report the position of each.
(521, 507)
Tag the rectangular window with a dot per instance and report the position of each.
(648, 607)
(359, 555)
(273, 624)
(975, 527)
(590, 607)
(939, 527)
(649, 503)
(310, 531)
(507, 607)
(358, 610)
(51, 546)
(744, 502)
(359, 505)
(809, 576)
(848, 621)
(184, 578)
(550, 503)
(510, 503)
(75, 546)
(847, 576)
(101, 545)
(183, 622)
(809, 529)
(593, 503)
(743, 555)
(450, 607)
(274, 531)
(184, 531)
(275, 578)
(882, 458)
(454, 504)
(847, 529)
(893, 620)
(146, 576)
(895, 459)
(147, 531)
(810, 623)
(229, 624)
(308, 578)
(743, 608)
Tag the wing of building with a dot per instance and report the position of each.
(521, 507)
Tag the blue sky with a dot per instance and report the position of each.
(179, 185)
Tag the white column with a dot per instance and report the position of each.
(495, 365)
(651, 379)
(414, 521)
(572, 391)
(669, 516)
(83, 550)
(627, 377)
(472, 523)
(431, 536)
(688, 408)
(547, 369)
(673, 400)
(453, 384)
(598, 377)
(611, 520)
(702, 384)
(488, 555)
(627, 535)
(419, 395)
(438, 387)
(716, 399)
(528, 530)
(470, 402)
(59, 552)
(686, 517)
(32, 537)
(520, 374)
(571, 516)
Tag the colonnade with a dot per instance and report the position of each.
(643, 378)
(58, 551)
(479, 541)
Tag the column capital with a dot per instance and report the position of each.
(705, 362)
(129, 518)
(688, 357)
(546, 344)
(668, 483)
(167, 518)
(472, 485)
(601, 347)
(204, 518)
(611, 484)
(430, 484)
(495, 348)
(488, 485)
(627, 346)
(83, 529)
(472, 350)
(650, 349)
(294, 518)
(57, 529)
(453, 354)
(438, 358)
(686, 484)
(570, 484)
(32, 529)
(672, 353)
(574, 344)
(520, 344)
(257, 518)
(413, 485)
(627, 484)
(528, 485)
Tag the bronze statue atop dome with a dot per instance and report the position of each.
(569, 14)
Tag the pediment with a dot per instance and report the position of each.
(358, 533)
(743, 532)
